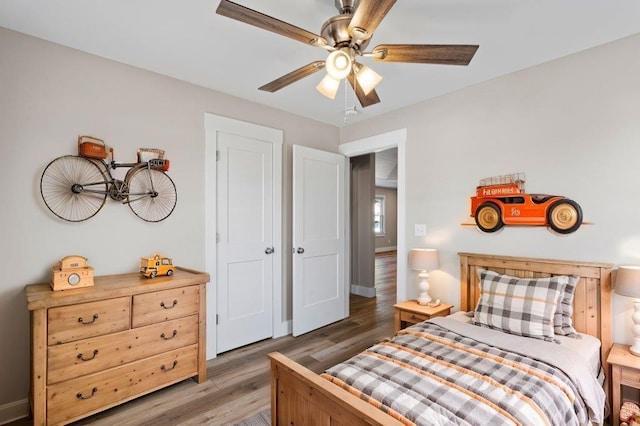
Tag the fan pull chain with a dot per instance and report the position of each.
(349, 110)
(346, 95)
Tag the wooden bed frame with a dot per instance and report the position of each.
(301, 397)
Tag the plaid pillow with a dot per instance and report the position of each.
(562, 322)
(522, 306)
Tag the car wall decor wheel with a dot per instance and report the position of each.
(564, 216)
(488, 217)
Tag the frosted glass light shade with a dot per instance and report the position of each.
(423, 259)
(367, 78)
(338, 64)
(328, 86)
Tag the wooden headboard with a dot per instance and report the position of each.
(592, 300)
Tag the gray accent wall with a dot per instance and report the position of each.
(362, 240)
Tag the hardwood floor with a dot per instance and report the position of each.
(238, 384)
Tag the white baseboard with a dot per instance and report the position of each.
(14, 411)
(284, 329)
(363, 291)
(383, 249)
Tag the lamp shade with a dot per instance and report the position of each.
(423, 259)
(628, 281)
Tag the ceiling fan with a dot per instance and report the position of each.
(346, 36)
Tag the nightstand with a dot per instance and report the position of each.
(625, 371)
(410, 312)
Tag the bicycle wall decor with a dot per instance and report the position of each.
(75, 187)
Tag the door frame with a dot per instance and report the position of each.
(213, 124)
(393, 139)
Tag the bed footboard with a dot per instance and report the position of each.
(301, 397)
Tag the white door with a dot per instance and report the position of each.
(245, 241)
(319, 208)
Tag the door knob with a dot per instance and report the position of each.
(269, 250)
(300, 250)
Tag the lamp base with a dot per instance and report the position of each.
(424, 298)
(425, 301)
(635, 347)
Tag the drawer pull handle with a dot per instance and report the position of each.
(165, 369)
(175, 302)
(79, 395)
(81, 321)
(162, 336)
(95, 352)
(414, 317)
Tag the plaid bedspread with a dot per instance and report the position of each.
(428, 375)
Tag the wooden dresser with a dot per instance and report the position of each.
(96, 347)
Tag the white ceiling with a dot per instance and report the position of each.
(187, 40)
(387, 168)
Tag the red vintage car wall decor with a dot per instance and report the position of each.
(502, 200)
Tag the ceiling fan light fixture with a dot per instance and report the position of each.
(346, 36)
(328, 86)
(367, 78)
(338, 64)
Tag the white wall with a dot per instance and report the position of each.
(362, 180)
(49, 95)
(572, 125)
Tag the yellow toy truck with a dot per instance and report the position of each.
(156, 265)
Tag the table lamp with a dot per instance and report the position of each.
(423, 260)
(628, 284)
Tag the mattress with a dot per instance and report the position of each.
(446, 371)
(587, 347)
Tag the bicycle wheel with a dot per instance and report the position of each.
(73, 188)
(152, 194)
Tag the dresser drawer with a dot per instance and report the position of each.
(412, 317)
(76, 359)
(630, 377)
(85, 395)
(70, 323)
(164, 305)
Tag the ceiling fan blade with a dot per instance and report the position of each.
(293, 76)
(365, 100)
(446, 54)
(249, 16)
(368, 16)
